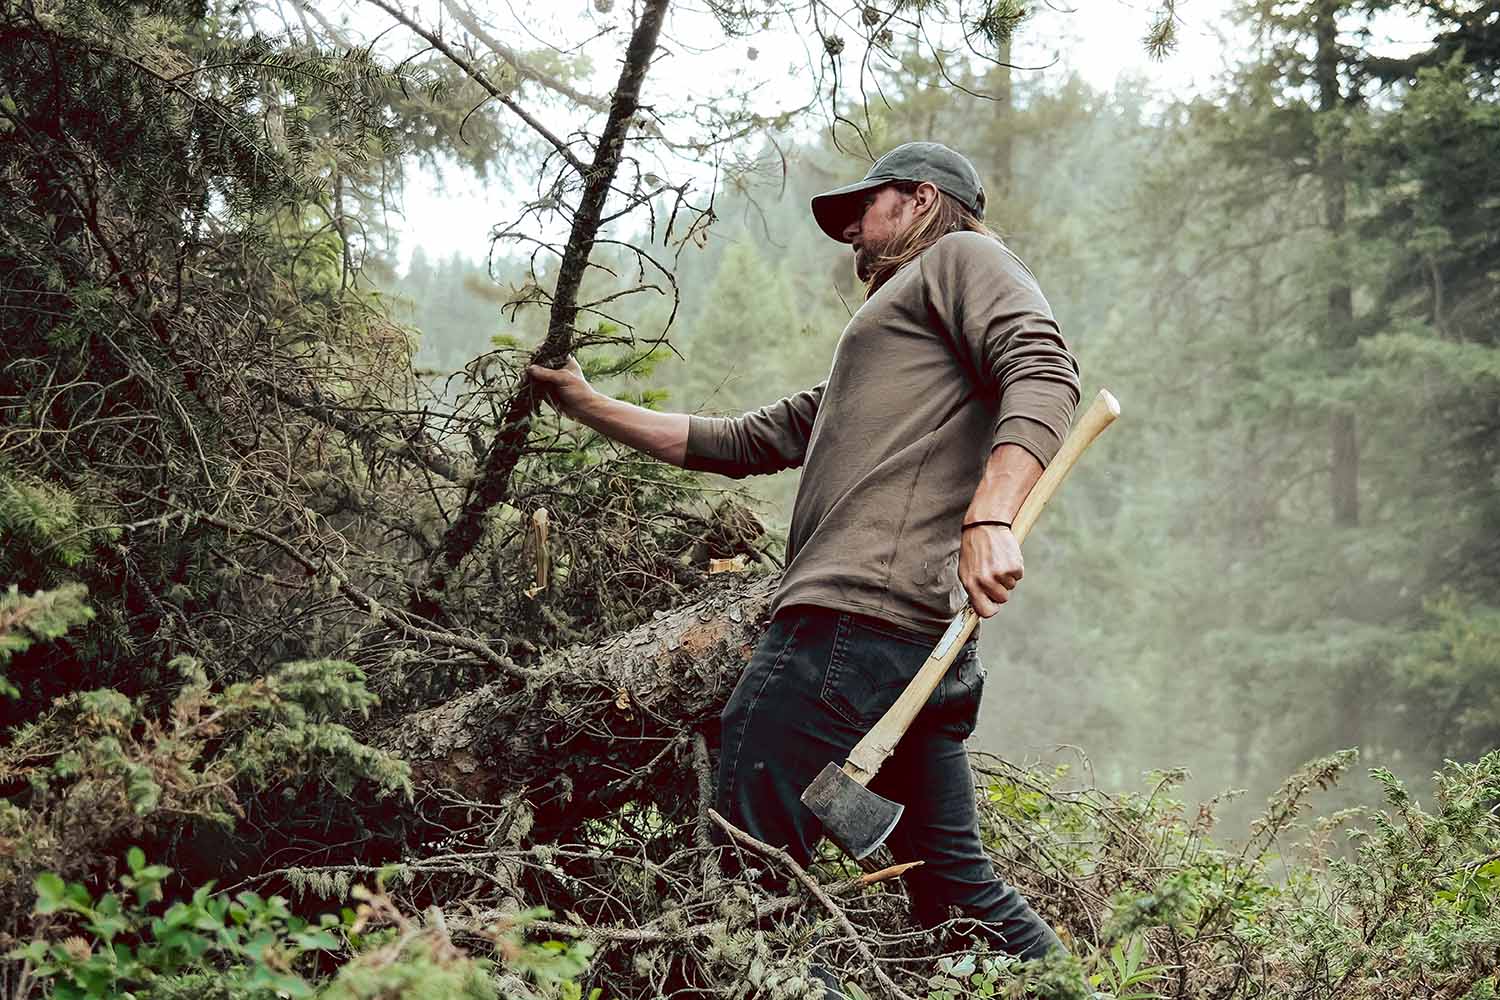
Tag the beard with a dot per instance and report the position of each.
(862, 261)
(876, 244)
(866, 256)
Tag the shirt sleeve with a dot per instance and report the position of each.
(1002, 329)
(767, 440)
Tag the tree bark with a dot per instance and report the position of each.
(1343, 434)
(596, 725)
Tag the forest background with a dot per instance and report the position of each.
(283, 612)
(1240, 596)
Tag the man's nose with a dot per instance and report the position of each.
(851, 230)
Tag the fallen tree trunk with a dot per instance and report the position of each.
(595, 726)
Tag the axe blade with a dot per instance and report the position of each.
(853, 817)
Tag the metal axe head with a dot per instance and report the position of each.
(854, 817)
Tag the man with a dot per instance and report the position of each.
(951, 388)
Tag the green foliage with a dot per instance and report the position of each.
(254, 129)
(180, 245)
(44, 531)
(253, 945)
(1406, 898)
(1452, 668)
(1127, 976)
(999, 21)
(980, 976)
(248, 946)
(1434, 210)
(100, 764)
(297, 732)
(42, 617)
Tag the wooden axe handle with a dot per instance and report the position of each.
(869, 753)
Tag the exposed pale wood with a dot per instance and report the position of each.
(566, 725)
(886, 874)
(541, 551)
(734, 565)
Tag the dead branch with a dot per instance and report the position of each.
(493, 483)
(416, 448)
(786, 861)
(477, 75)
(524, 70)
(364, 601)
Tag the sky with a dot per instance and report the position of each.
(1101, 40)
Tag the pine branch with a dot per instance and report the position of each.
(419, 449)
(524, 70)
(366, 602)
(840, 918)
(477, 75)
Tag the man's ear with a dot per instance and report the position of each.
(926, 196)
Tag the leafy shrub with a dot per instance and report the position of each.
(211, 945)
(1343, 906)
(45, 615)
(99, 765)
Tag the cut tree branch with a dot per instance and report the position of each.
(492, 485)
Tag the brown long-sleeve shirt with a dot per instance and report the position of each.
(956, 353)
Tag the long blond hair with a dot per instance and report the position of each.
(946, 215)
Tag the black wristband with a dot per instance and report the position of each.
(975, 524)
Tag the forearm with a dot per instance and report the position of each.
(1008, 476)
(663, 435)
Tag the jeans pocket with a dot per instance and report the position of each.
(968, 673)
(867, 671)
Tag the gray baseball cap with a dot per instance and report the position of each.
(911, 161)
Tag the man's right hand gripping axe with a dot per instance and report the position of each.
(857, 819)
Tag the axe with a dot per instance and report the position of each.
(857, 819)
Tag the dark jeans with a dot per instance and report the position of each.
(819, 679)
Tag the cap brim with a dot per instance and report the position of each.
(835, 209)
